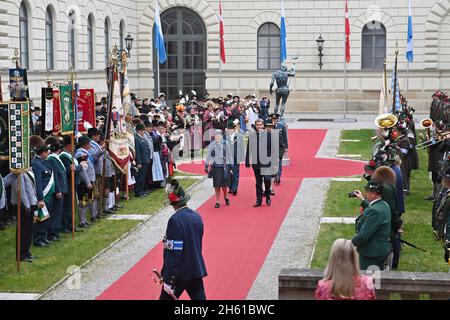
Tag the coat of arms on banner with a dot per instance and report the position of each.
(19, 136)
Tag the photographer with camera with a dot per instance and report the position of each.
(373, 227)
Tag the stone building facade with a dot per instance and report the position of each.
(312, 89)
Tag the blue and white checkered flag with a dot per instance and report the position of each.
(398, 105)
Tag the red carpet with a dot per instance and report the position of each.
(238, 238)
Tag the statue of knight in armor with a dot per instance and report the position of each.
(282, 92)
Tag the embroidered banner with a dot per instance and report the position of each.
(18, 84)
(118, 142)
(4, 139)
(86, 109)
(19, 136)
(67, 114)
(56, 112)
(47, 109)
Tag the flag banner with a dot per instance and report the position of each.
(47, 109)
(409, 45)
(283, 33)
(18, 84)
(347, 34)
(56, 112)
(159, 37)
(66, 107)
(19, 136)
(118, 141)
(222, 35)
(398, 106)
(4, 141)
(86, 109)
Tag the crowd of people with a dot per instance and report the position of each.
(162, 135)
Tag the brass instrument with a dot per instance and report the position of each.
(384, 122)
(433, 135)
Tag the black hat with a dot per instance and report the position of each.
(84, 139)
(176, 193)
(140, 127)
(67, 140)
(275, 115)
(236, 97)
(37, 144)
(93, 132)
(53, 143)
(270, 124)
(374, 187)
(148, 124)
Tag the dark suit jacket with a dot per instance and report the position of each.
(60, 176)
(283, 135)
(42, 174)
(373, 229)
(183, 259)
(142, 150)
(253, 154)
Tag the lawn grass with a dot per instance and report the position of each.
(357, 147)
(53, 261)
(417, 218)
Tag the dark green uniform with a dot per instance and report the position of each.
(373, 229)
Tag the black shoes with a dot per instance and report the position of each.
(257, 204)
(431, 198)
(268, 201)
(227, 201)
(217, 205)
(25, 259)
(46, 241)
(272, 193)
(53, 239)
(40, 244)
(234, 193)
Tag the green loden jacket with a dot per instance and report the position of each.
(373, 229)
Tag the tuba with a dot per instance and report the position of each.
(384, 122)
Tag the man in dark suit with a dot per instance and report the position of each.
(264, 107)
(61, 187)
(45, 189)
(184, 267)
(263, 161)
(142, 159)
(283, 139)
(373, 228)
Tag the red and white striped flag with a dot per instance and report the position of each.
(347, 34)
(222, 40)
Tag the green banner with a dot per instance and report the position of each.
(19, 136)
(67, 116)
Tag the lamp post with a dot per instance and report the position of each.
(129, 44)
(320, 41)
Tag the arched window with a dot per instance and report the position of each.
(90, 34)
(269, 47)
(71, 38)
(23, 34)
(106, 35)
(121, 34)
(186, 47)
(49, 38)
(373, 46)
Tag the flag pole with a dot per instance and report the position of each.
(407, 79)
(220, 77)
(157, 73)
(19, 220)
(385, 87)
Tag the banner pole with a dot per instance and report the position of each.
(127, 188)
(72, 173)
(19, 220)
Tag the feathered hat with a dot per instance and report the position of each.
(176, 193)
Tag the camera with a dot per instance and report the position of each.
(352, 194)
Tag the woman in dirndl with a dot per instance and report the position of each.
(218, 165)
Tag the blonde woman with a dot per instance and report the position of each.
(343, 279)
